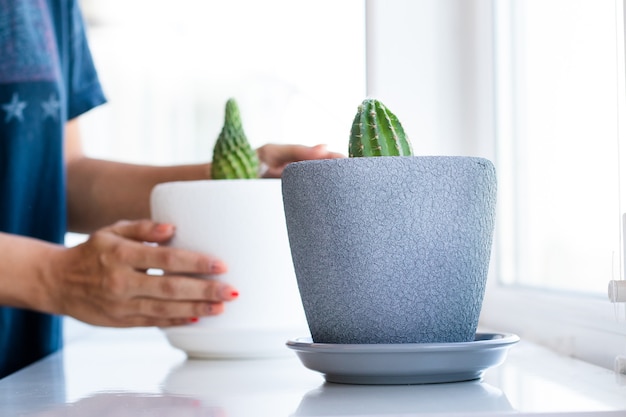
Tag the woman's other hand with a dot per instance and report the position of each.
(274, 158)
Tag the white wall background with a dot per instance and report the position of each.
(431, 62)
(297, 70)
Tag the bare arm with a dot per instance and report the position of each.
(102, 192)
(21, 276)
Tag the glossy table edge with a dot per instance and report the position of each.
(136, 370)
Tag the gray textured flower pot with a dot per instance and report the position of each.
(391, 249)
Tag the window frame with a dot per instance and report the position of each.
(580, 325)
(452, 109)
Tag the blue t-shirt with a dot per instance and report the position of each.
(47, 77)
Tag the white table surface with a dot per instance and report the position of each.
(135, 372)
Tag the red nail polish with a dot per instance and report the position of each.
(194, 319)
(234, 293)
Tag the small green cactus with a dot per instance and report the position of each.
(377, 132)
(233, 156)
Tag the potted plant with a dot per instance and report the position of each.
(240, 220)
(233, 156)
(389, 247)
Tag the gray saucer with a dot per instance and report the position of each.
(405, 363)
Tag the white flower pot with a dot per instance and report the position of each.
(241, 222)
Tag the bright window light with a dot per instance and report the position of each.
(297, 70)
(558, 143)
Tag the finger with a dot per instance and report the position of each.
(321, 152)
(145, 321)
(142, 321)
(172, 260)
(301, 153)
(138, 320)
(168, 310)
(291, 153)
(278, 155)
(144, 230)
(334, 155)
(168, 287)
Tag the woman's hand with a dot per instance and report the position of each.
(274, 158)
(103, 281)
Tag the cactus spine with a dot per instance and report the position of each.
(377, 132)
(233, 156)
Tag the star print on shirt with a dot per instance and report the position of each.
(51, 108)
(14, 109)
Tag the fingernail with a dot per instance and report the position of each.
(214, 309)
(228, 293)
(194, 319)
(321, 146)
(164, 228)
(218, 267)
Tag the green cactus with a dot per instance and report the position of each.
(233, 156)
(377, 132)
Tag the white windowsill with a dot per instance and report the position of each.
(581, 327)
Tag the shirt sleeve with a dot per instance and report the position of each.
(84, 90)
